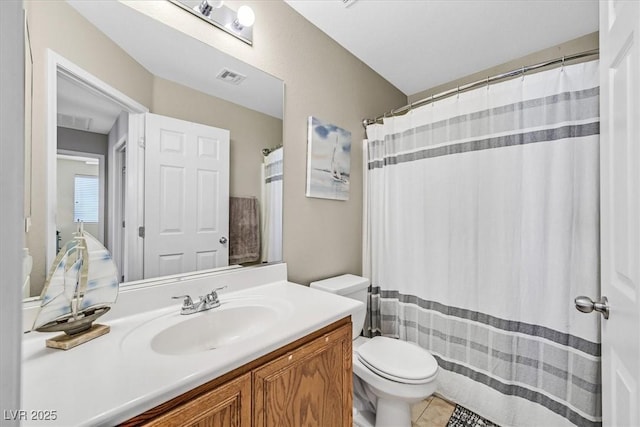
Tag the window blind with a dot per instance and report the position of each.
(85, 200)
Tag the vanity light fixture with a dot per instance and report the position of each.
(239, 24)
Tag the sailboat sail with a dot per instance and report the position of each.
(101, 285)
(82, 278)
(55, 303)
(335, 172)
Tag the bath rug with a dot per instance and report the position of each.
(462, 417)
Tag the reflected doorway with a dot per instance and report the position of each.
(80, 195)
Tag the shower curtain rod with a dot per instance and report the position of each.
(463, 88)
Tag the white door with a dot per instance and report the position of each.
(117, 198)
(620, 209)
(186, 196)
(120, 209)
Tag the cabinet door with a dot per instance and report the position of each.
(310, 386)
(226, 406)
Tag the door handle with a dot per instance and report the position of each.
(223, 240)
(587, 305)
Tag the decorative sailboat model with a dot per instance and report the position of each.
(81, 286)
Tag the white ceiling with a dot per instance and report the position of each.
(84, 109)
(420, 44)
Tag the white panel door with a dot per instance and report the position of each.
(186, 196)
(620, 209)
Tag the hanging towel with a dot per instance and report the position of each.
(244, 230)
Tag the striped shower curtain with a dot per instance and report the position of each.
(272, 206)
(481, 226)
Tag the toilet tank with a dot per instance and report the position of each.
(350, 286)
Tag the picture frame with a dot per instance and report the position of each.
(328, 160)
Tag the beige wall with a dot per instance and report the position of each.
(581, 44)
(321, 237)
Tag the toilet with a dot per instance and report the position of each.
(397, 373)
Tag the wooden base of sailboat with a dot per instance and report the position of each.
(65, 342)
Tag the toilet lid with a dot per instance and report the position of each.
(397, 360)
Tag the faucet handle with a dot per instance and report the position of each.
(213, 296)
(215, 291)
(188, 302)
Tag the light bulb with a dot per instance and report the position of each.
(246, 17)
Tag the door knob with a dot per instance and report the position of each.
(223, 240)
(587, 305)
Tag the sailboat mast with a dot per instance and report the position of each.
(333, 157)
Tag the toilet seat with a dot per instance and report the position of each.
(396, 360)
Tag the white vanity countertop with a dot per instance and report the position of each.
(115, 377)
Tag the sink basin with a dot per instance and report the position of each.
(213, 329)
(235, 321)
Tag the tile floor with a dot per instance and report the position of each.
(431, 412)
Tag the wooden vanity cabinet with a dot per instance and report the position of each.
(228, 405)
(309, 386)
(305, 383)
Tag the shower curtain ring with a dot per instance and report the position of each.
(487, 82)
(562, 68)
(523, 73)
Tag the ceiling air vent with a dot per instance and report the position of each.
(348, 3)
(230, 76)
(74, 122)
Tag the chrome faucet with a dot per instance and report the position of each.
(204, 303)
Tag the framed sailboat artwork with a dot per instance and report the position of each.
(328, 160)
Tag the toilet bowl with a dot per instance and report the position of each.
(404, 376)
(397, 373)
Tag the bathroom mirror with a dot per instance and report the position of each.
(160, 71)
